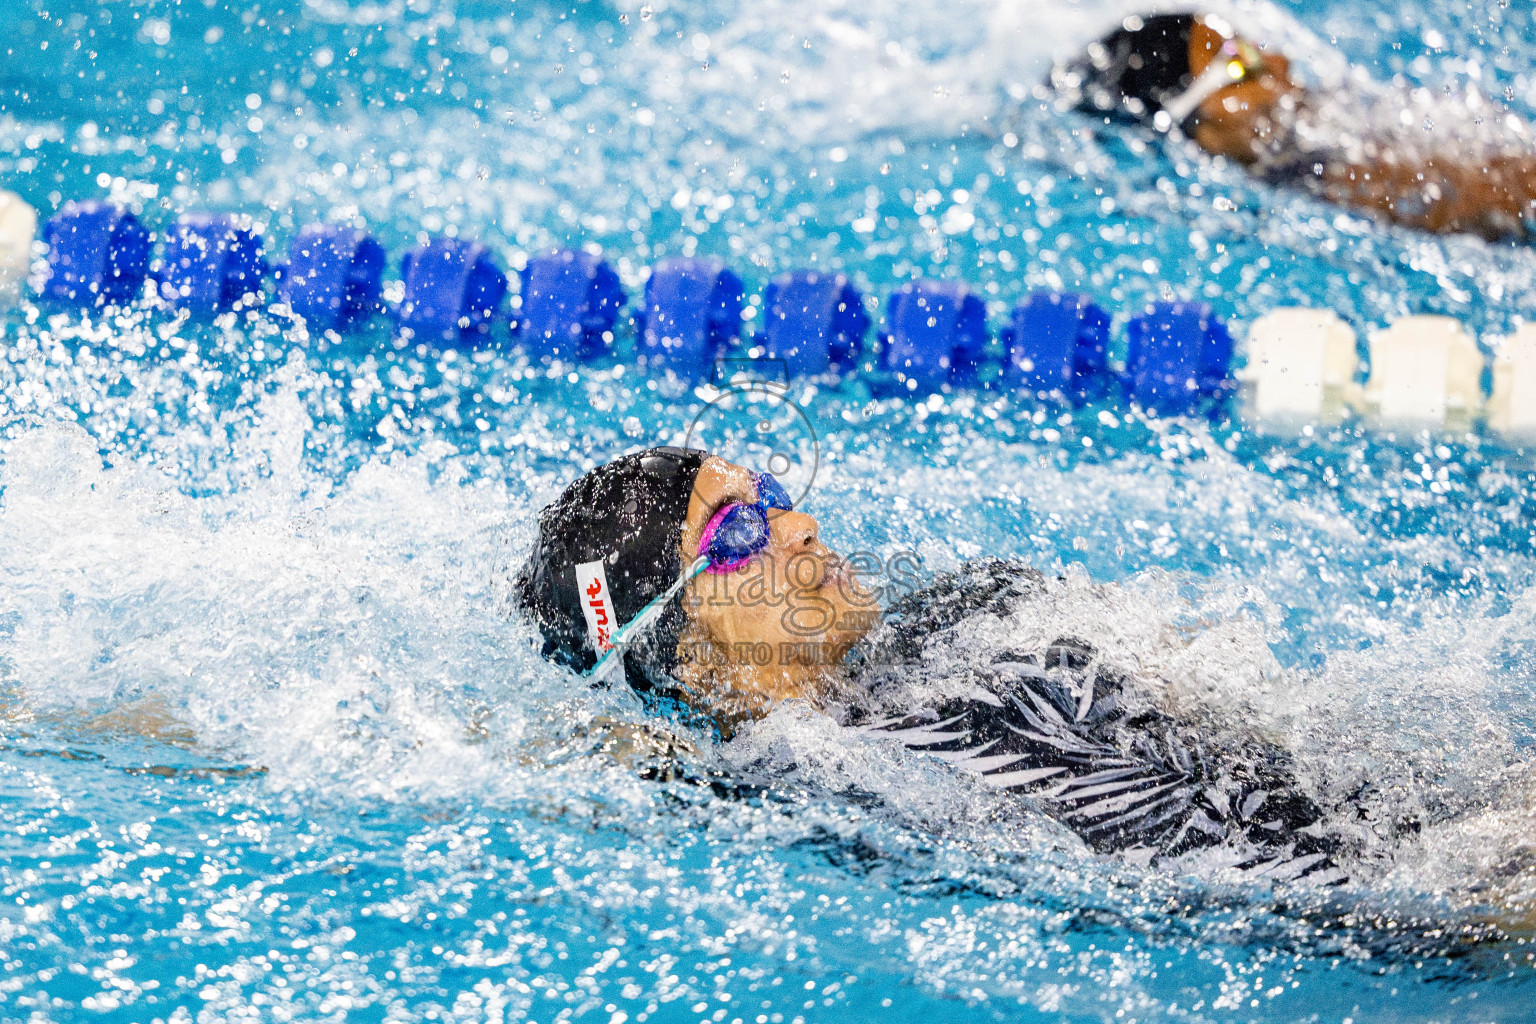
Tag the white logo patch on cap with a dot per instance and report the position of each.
(597, 606)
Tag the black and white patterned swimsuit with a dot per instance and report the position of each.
(1062, 730)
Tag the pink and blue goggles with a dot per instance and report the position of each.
(737, 532)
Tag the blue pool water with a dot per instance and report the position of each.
(272, 747)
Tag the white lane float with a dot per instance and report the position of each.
(1425, 370)
(18, 230)
(1512, 405)
(1301, 366)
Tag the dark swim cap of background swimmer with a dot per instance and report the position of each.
(629, 515)
(1132, 71)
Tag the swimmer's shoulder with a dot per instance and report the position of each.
(984, 584)
(980, 587)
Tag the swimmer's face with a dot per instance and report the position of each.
(775, 628)
(1235, 122)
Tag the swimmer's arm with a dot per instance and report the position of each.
(1493, 198)
(1490, 197)
(639, 746)
(148, 717)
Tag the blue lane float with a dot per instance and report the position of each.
(453, 289)
(691, 314)
(935, 333)
(332, 276)
(813, 321)
(570, 302)
(1178, 354)
(210, 262)
(97, 252)
(1056, 343)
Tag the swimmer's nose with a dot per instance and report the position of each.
(801, 532)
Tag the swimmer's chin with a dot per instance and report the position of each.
(862, 603)
(835, 576)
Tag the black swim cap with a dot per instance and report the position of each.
(1133, 70)
(629, 516)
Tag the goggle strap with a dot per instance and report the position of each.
(1212, 80)
(643, 621)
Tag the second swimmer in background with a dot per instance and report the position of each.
(1194, 74)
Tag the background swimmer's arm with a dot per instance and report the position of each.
(1493, 198)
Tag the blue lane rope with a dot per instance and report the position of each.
(934, 334)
